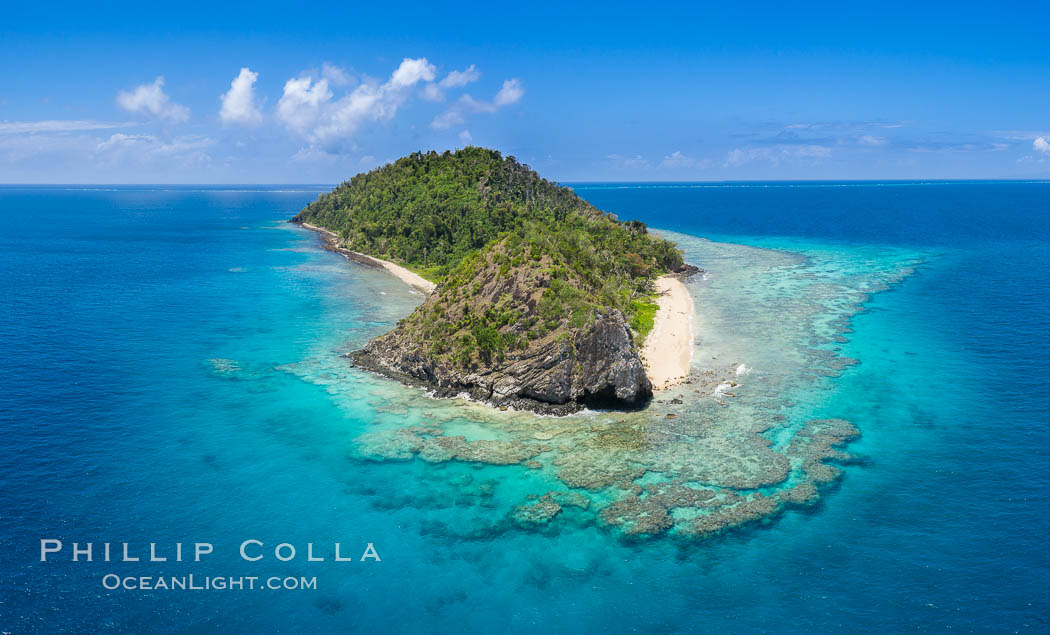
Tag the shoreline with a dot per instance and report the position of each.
(411, 278)
(668, 350)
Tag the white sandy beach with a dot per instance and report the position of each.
(409, 277)
(668, 349)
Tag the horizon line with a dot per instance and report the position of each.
(571, 181)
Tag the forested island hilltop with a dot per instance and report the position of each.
(542, 301)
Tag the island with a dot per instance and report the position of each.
(535, 299)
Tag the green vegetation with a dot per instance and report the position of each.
(518, 259)
(433, 274)
(643, 318)
(431, 210)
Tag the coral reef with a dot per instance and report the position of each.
(734, 445)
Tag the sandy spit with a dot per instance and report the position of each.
(408, 277)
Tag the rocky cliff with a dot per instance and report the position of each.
(550, 365)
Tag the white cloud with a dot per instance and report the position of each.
(847, 125)
(302, 102)
(155, 145)
(411, 72)
(17, 149)
(872, 141)
(810, 151)
(308, 110)
(58, 125)
(455, 79)
(1020, 135)
(465, 138)
(183, 151)
(1041, 145)
(431, 92)
(510, 93)
(957, 146)
(447, 119)
(151, 99)
(314, 154)
(64, 144)
(739, 156)
(336, 75)
(637, 161)
(58, 153)
(678, 160)
(776, 154)
(238, 103)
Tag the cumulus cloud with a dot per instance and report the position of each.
(435, 91)
(510, 93)
(465, 138)
(455, 79)
(150, 99)
(308, 110)
(1041, 145)
(411, 72)
(238, 103)
(302, 103)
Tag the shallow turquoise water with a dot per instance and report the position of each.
(173, 374)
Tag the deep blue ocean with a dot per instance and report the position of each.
(170, 372)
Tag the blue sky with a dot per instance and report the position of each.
(283, 93)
